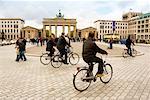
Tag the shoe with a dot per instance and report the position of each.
(99, 75)
(25, 60)
(66, 63)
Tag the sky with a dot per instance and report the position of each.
(85, 11)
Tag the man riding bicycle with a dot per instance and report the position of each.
(128, 45)
(89, 54)
(61, 46)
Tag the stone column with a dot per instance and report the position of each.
(50, 30)
(74, 33)
(56, 30)
(63, 29)
(69, 30)
(44, 32)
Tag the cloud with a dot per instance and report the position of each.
(86, 12)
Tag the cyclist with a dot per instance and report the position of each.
(89, 54)
(49, 45)
(61, 46)
(128, 45)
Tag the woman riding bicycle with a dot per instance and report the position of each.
(50, 45)
(89, 54)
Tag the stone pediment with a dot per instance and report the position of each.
(29, 27)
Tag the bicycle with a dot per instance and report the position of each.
(126, 54)
(57, 60)
(83, 77)
(45, 58)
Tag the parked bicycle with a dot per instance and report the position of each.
(83, 78)
(57, 60)
(126, 54)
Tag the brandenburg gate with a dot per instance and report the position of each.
(59, 21)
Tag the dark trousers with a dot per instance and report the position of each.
(97, 60)
(129, 51)
(63, 52)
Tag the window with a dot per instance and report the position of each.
(101, 27)
(146, 36)
(138, 26)
(146, 30)
(15, 26)
(138, 22)
(138, 31)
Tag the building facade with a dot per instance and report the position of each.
(29, 32)
(133, 23)
(11, 27)
(105, 27)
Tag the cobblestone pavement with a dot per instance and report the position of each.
(77, 47)
(31, 80)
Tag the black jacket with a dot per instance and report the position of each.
(61, 43)
(90, 49)
(49, 45)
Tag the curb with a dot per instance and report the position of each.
(143, 45)
(139, 54)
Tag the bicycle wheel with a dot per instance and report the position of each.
(56, 61)
(134, 52)
(45, 59)
(79, 81)
(73, 58)
(124, 54)
(108, 72)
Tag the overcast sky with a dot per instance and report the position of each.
(85, 11)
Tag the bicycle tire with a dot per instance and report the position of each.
(107, 71)
(73, 58)
(84, 84)
(56, 61)
(45, 59)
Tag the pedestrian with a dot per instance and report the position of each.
(21, 45)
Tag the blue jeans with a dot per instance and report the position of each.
(21, 55)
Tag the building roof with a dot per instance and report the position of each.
(30, 27)
(144, 16)
(11, 19)
(110, 21)
(88, 28)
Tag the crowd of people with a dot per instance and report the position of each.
(90, 49)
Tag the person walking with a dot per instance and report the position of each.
(21, 46)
